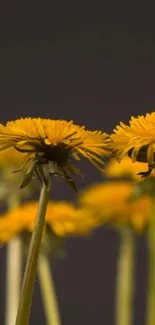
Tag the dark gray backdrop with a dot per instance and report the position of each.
(95, 64)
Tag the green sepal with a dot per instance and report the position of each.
(28, 176)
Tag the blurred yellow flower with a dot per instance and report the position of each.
(65, 219)
(126, 168)
(136, 139)
(62, 217)
(110, 201)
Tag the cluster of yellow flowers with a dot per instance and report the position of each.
(60, 141)
(29, 142)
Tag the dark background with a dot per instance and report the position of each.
(95, 64)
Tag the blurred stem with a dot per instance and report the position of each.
(151, 276)
(31, 265)
(13, 271)
(48, 292)
(124, 279)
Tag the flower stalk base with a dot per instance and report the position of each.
(48, 291)
(124, 279)
(151, 273)
(31, 265)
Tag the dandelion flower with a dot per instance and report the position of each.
(62, 217)
(110, 201)
(54, 143)
(137, 140)
(65, 219)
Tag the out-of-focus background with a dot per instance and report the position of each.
(95, 64)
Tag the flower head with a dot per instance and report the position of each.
(125, 168)
(110, 201)
(53, 143)
(62, 218)
(137, 140)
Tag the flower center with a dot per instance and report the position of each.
(58, 154)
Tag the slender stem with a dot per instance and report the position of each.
(151, 276)
(48, 292)
(13, 279)
(13, 271)
(31, 265)
(124, 279)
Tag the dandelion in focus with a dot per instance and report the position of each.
(50, 147)
(54, 143)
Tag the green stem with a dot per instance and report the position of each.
(31, 265)
(151, 276)
(124, 279)
(13, 271)
(48, 291)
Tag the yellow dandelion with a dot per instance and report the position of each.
(110, 201)
(65, 219)
(136, 139)
(126, 168)
(62, 217)
(17, 221)
(54, 143)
